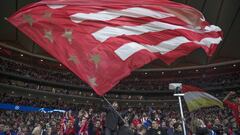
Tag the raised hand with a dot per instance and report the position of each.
(232, 93)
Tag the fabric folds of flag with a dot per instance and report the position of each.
(103, 41)
(196, 98)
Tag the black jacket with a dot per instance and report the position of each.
(152, 131)
(112, 118)
(178, 133)
(163, 131)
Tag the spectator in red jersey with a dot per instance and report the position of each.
(70, 129)
(84, 124)
(67, 124)
(235, 107)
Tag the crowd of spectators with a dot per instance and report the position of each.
(91, 94)
(76, 92)
(90, 119)
(24, 123)
(132, 83)
(129, 84)
(11, 66)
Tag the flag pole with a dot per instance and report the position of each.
(114, 109)
(179, 95)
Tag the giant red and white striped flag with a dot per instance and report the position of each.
(102, 41)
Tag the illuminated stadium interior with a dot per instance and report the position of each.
(29, 76)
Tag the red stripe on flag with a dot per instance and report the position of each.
(189, 88)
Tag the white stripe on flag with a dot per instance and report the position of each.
(127, 50)
(209, 41)
(107, 15)
(212, 28)
(168, 45)
(108, 32)
(56, 6)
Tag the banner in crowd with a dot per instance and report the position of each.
(197, 98)
(28, 108)
(103, 41)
